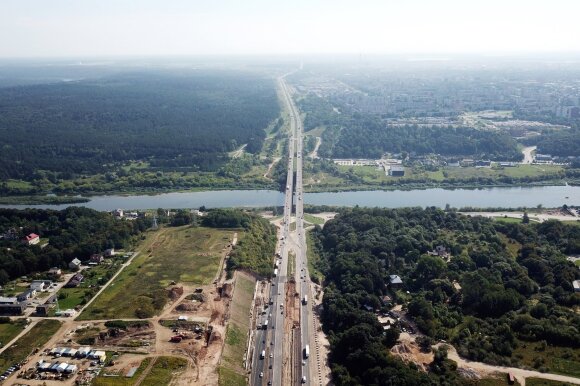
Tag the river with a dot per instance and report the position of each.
(548, 196)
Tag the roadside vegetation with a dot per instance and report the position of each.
(255, 247)
(231, 370)
(494, 307)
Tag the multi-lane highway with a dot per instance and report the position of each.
(268, 348)
(268, 358)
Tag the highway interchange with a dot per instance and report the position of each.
(268, 345)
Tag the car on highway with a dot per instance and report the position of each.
(261, 375)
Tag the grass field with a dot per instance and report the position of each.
(182, 254)
(313, 219)
(93, 279)
(164, 370)
(372, 175)
(231, 371)
(558, 360)
(508, 220)
(313, 260)
(121, 380)
(228, 377)
(9, 330)
(36, 337)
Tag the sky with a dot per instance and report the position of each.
(81, 28)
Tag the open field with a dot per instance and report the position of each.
(557, 360)
(10, 329)
(164, 370)
(367, 177)
(231, 370)
(121, 380)
(35, 338)
(184, 255)
(313, 219)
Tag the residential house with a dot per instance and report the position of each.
(28, 294)
(440, 251)
(395, 281)
(110, 252)
(576, 285)
(75, 264)
(96, 259)
(40, 285)
(42, 310)
(12, 309)
(386, 300)
(119, 213)
(8, 300)
(75, 281)
(31, 239)
(55, 271)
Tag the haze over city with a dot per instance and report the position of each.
(66, 28)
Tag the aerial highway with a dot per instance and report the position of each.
(267, 358)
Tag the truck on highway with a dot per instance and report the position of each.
(305, 299)
(276, 272)
(265, 324)
(277, 263)
(263, 354)
(306, 352)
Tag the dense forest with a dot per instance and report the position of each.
(178, 119)
(368, 136)
(72, 232)
(561, 143)
(503, 286)
(371, 138)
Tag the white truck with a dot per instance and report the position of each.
(305, 300)
(263, 354)
(306, 352)
(265, 324)
(275, 272)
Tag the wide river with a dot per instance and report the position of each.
(548, 196)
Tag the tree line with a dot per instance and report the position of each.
(504, 285)
(75, 232)
(170, 119)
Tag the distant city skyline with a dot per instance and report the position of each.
(67, 28)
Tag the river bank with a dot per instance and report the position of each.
(499, 197)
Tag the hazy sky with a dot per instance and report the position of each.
(45, 28)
